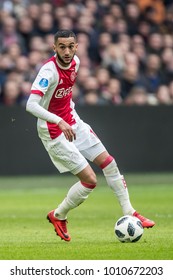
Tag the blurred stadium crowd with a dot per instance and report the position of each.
(125, 48)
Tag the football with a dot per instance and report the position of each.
(128, 229)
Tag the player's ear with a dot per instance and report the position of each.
(54, 48)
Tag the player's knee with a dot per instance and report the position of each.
(88, 176)
(93, 179)
(90, 180)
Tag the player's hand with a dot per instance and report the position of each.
(70, 135)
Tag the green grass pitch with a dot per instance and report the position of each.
(27, 235)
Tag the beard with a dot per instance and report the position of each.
(62, 61)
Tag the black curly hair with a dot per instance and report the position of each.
(64, 34)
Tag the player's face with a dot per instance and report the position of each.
(65, 48)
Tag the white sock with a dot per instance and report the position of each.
(77, 194)
(117, 183)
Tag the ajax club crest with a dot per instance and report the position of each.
(73, 76)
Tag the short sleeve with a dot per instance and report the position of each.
(44, 79)
(76, 58)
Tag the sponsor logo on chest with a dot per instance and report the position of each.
(62, 92)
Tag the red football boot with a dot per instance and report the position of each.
(146, 223)
(59, 225)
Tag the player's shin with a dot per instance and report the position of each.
(77, 194)
(117, 183)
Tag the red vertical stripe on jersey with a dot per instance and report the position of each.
(60, 103)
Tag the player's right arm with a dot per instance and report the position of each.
(39, 88)
(38, 111)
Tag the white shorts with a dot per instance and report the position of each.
(71, 156)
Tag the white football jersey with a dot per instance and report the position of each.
(54, 84)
